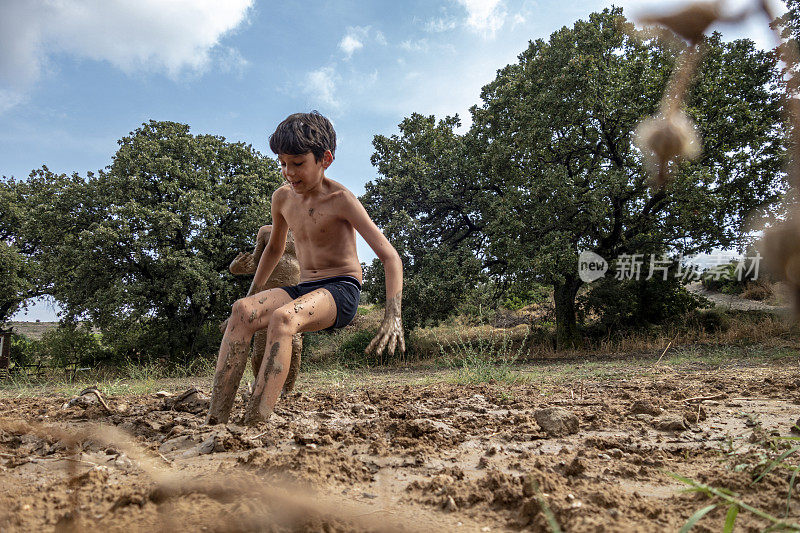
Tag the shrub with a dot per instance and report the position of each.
(435, 286)
(710, 321)
(351, 349)
(24, 350)
(733, 278)
(517, 296)
(757, 290)
(72, 342)
(625, 305)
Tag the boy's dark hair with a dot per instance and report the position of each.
(304, 132)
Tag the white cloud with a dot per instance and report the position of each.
(147, 35)
(350, 44)
(380, 38)
(321, 85)
(231, 60)
(440, 25)
(420, 45)
(9, 99)
(484, 16)
(354, 40)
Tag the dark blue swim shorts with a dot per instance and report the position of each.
(346, 291)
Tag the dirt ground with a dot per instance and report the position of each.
(594, 454)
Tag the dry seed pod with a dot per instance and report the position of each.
(664, 138)
(690, 22)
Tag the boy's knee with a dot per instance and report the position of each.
(243, 311)
(284, 320)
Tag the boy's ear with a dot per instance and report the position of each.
(327, 158)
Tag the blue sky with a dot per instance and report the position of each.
(77, 75)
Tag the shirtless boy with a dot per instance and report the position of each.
(323, 216)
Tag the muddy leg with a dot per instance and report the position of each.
(274, 368)
(259, 349)
(226, 381)
(312, 312)
(294, 366)
(248, 315)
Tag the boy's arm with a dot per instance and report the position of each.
(391, 330)
(274, 248)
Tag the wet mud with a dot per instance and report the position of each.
(595, 454)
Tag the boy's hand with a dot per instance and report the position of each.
(243, 264)
(391, 330)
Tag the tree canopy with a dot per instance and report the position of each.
(141, 249)
(549, 166)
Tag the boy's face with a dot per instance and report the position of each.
(303, 172)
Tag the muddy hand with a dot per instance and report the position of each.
(223, 325)
(243, 264)
(391, 330)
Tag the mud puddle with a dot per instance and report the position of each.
(441, 457)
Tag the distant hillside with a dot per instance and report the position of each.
(33, 330)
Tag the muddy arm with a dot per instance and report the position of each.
(247, 262)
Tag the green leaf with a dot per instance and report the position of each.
(775, 463)
(696, 517)
(730, 518)
(791, 488)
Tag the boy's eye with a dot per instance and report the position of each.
(298, 164)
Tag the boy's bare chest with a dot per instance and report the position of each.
(314, 222)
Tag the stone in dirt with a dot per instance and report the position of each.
(450, 505)
(191, 401)
(576, 467)
(178, 443)
(556, 422)
(645, 407)
(669, 423)
(693, 415)
(209, 445)
(422, 427)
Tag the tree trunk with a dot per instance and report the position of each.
(567, 335)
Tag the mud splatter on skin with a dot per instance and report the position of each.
(252, 316)
(311, 212)
(391, 329)
(226, 382)
(286, 272)
(273, 354)
(253, 414)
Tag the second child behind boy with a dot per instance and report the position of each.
(323, 216)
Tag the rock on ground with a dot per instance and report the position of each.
(556, 422)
